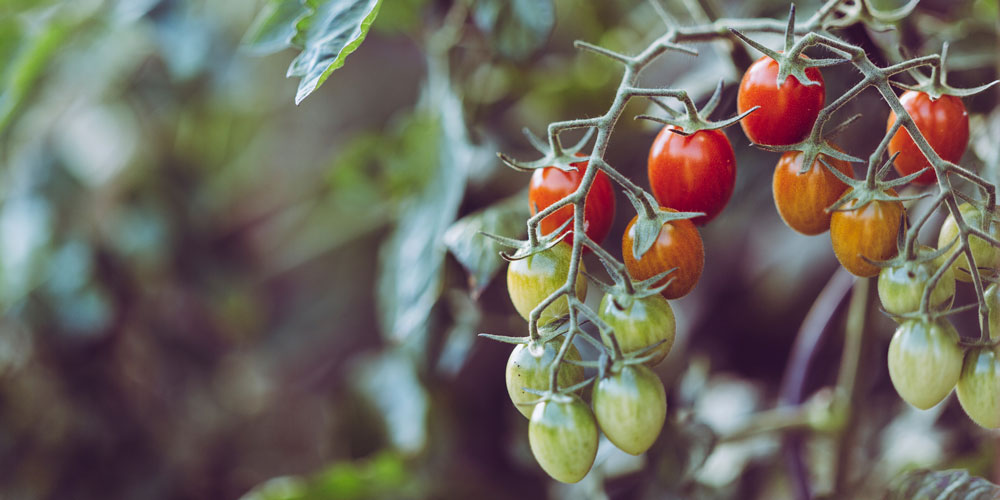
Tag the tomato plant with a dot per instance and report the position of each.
(866, 232)
(978, 387)
(550, 184)
(563, 437)
(786, 113)
(992, 296)
(987, 256)
(802, 198)
(901, 287)
(944, 122)
(925, 361)
(630, 406)
(529, 366)
(677, 245)
(532, 279)
(639, 322)
(693, 173)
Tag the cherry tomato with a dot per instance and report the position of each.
(869, 231)
(979, 387)
(786, 113)
(925, 361)
(563, 437)
(640, 323)
(529, 366)
(802, 199)
(992, 295)
(694, 173)
(901, 287)
(630, 407)
(532, 279)
(987, 256)
(678, 245)
(945, 125)
(549, 185)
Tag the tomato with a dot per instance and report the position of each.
(945, 125)
(786, 113)
(678, 245)
(694, 173)
(869, 231)
(532, 279)
(992, 295)
(640, 323)
(987, 256)
(563, 437)
(925, 361)
(901, 287)
(630, 407)
(549, 185)
(802, 199)
(979, 387)
(529, 366)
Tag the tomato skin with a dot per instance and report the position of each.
(945, 125)
(549, 185)
(532, 279)
(787, 113)
(631, 407)
(925, 361)
(992, 295)
(900, 288)
(641, 323)
(978, 388)
(529, 365)
(869, 231)
(802, 199)
(678, 245)
(987, 256)
(563, 437)
(694, 173)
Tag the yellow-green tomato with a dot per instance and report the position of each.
(532, 279)
(992, 295)
(924, 361)
(630, 407)
(979, 387)
(987, 256)
(639, 323)
(901, 287)
(529, 366)
(563, 437)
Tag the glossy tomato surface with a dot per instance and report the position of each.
(901, 287)
(978, 388)
(532, 279)
(639, 323)
(549, 185)
(786, 113)
(802, 199)
(694, 173)
(945, 125)
(986, 255)
(529, 366)
(563, 437)
(925, 361)
(630, 407)
(869, 231)
(677, 245)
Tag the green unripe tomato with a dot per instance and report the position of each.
(532, 279)
(630, 407)
(640, 323)
(925, 361)
(563, 437)
(979, 387)
(529, 365)
(901, 287)
(987, 256)
(992, 295)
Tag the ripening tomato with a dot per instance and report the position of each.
(925, 361)
(992, 295)
(979, 387)
(678, 245)
(694, 173)
(532, 279)
(529, 366)
(563, 437)
(802, 199)
(639, 323)
(787, 113)
(869, 231)
(630, 407)
(943, 122)
(549, 185)
(987, 256)
(900, 288)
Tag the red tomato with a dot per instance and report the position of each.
(678, 245)
(945, 125)
(549, 185)
(802, 199)
(694, 173)
(786, 113)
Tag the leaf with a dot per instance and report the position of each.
(941, 485)
(516, 28)
(274, 27)
(328, 35)
(479, 255)
(389, 380)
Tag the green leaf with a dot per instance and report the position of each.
(516, 28)
(274, 27)
(329, 34)
(941, 485)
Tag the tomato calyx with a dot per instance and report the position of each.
(527, 248)
(650, 219)
(546, 333)
(554, 154)
(872, 188)
(693, 120)
(812, 149)
(936, 85)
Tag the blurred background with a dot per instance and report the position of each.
(210, 292)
